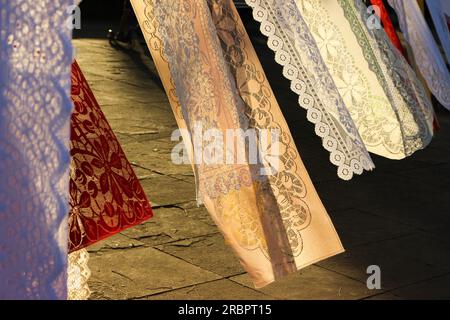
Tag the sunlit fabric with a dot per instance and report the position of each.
(426, 52)
(440, 12)
(298, 53)
(106, 197)
(35, 108)
(276, 224)
(78, 274)
(385, 99)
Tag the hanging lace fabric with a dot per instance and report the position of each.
(106, 197)
(419, 126)
(78, 274)
(440, 12)
(389, 28)
(393, 36)
(296, 50)
(384, 97)
(426, 53)
(276, 224)
(35, 108)
(105, 194)
(388, 25)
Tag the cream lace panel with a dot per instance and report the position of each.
(35, 108)
(203, 53)
(298, 53)
(78, 274)
(406, 92)
(426, 53)
(384, 119)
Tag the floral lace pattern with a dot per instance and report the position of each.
(363, 96)
(263, 219)
(426, 53)
(105, 194)
(389, 118)
(407, 93)
(264, 113)
(78, 274)
(296, 50)
(35, 108)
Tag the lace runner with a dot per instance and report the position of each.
(275, 224)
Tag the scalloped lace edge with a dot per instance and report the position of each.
(345, 172)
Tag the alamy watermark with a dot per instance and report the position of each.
(374, 280)
(74, 17)
(373, 21)
(231, 146)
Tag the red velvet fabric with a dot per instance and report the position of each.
(105, 194)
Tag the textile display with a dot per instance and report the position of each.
(276, 224)
(296, 50)
(385, 99)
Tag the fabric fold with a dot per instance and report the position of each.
(384, 97)
(426, 53)
(35, 108)
(275, 223)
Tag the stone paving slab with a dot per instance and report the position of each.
(397, 267)
(436, 288)
(160, 190)
(138, 272)
(357, 227)
(229, 290)
(313, 283)
(115, 242)
(171, 225)
(199, 251)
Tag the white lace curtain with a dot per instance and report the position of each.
(35, 108)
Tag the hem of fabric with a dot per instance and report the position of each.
(262, 284)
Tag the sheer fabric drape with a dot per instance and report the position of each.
(276, 224)
(106, 196)
(35, 108)
(386, 102)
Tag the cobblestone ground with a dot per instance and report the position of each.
(396, 217)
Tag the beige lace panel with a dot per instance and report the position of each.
(275, 224)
